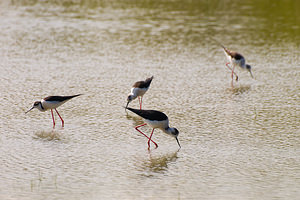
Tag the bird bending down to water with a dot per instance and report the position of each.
(138, 90)
(236, 59)
(155, 119)
(52, 102)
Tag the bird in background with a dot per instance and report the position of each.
(52, 102)
(138, 90)
(236, 59)
(155, 119)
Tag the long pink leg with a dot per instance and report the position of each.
(145, 134)
(150, 139)
(232, 72)
(62, 121)
(53, 118)
(237, 78)
(140, 101)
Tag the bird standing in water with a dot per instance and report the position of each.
(236, 59)
(138, 90)
(155, 119)
(52, 102)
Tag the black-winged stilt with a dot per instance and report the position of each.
(138, 90)
(52, 102)
(155, 119)
(236, 59)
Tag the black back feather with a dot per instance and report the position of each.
(60, 98)
(233, 54)
(237, 56)
(149, 114)
(143, 84)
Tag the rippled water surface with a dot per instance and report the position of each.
(239, 142)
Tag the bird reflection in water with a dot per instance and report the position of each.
(240, 89)
(137, 120)
(48, 135)
(158, 164)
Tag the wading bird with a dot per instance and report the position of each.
(138, 90)
(155, 119)
(52, 102)
(236, 59)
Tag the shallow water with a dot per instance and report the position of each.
(239, 142)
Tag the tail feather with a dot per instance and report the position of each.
(226, 51)
(76, 95)
(72, 96)
(148, 80)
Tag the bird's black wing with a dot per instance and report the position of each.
(150, 114)
(60, 98)
(143, 84)
(233, 54)
(237, 56)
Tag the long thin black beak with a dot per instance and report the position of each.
(29, 110)
(251, 74)
(127, 104)
(178, 142)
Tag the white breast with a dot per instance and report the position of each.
(52, 104)
(158, 124)
(138, 91)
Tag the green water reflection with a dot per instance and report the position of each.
(248, 21)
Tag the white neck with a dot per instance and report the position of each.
(133, 96)
(40, 107)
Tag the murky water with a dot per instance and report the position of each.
(238, 142)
